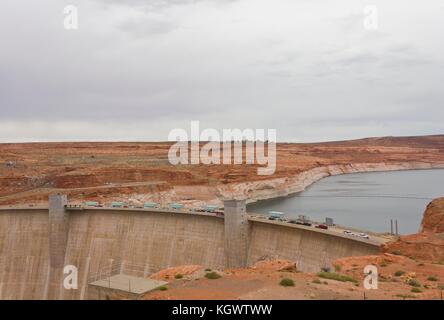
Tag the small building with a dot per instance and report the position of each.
(122, 286)
(329, 222)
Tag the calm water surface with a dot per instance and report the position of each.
(364, 200)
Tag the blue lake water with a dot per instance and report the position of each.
(364, 200)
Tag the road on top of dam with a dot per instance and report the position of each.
(337, 231)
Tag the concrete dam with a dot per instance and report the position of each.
(37, 243)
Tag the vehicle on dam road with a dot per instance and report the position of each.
(360, 235)
(363, 235)
(321, 226)
(276, 215)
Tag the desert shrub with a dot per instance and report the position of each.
(337, 268)
(286, 282)
(414, 283)
(163, 288)
(208, 270)
(336, 276)
(399, 273)
(432, 278)
(317, 281)
(178, 276)
(416, 290)
(396, 252)
(212, 275)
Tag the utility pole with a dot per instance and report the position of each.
(391, 226)
(396, 226)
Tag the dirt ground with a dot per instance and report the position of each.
(261, 282)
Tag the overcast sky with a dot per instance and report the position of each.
(134, 70)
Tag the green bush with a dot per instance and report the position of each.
(336, 276)
(178, 276)
(208, 270)
(397, 253)
(432, 278)
(416, 290)
(337, 267)
(212, 275)
(317, 281)
(163, 288)
(399, 273)
(414, 283)
(287, 282)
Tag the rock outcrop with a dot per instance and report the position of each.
(428, 243)
(433, 220)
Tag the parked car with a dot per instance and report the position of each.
(322, 226)
(348, 232)
(363, 235)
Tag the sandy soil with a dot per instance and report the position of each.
(263, 282)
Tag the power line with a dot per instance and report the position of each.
(371, 196)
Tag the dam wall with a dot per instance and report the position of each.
(24, 254)
(311, 249)
(103, 241)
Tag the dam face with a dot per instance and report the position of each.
(102, 242)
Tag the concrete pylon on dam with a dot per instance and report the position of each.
(236, 233)
(58, 239)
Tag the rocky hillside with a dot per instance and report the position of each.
(141, 171)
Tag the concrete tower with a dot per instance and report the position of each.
(58, 238)
(236, 233)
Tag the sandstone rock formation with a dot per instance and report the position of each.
(428, 243)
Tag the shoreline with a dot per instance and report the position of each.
(282, 187)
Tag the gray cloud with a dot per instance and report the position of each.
(137, 69)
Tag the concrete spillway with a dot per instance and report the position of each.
(36, 244)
